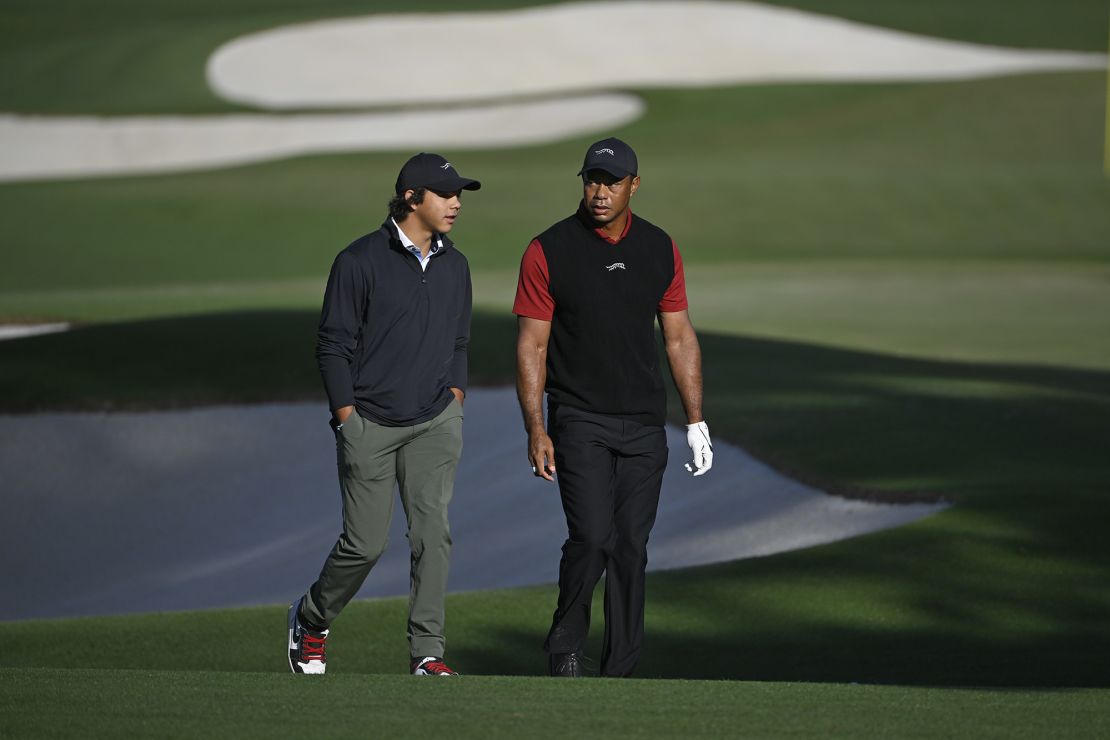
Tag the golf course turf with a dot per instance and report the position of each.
(902, 291)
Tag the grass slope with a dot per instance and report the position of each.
(989, 170)
(863, 419)
(122, 703)
(932, 605)
(1006, 588)
(1074, 24)
(962, 221)
(112, 703)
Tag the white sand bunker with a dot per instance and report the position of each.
(120, 513)
(19, 331)
(36, 148)
(589, 46)
(495, 60)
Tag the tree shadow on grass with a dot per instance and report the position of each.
(225, 358)
(1007, 588)
(909, 606)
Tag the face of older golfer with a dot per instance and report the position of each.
(438, 211)
(606, 196)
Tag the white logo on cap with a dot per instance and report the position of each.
(615, 266)
(610, 152)
(445, 165)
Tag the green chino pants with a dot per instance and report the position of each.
(421, 460)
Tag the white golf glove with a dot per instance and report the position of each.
(697, 436)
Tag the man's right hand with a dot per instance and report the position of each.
(344, 413)
(541, 454)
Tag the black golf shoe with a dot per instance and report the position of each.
(565, 665)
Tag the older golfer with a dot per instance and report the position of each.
(590, 290)
(392, 349)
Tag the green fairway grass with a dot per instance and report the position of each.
(902, 292)
(971, 597)
(1003, 311)
(176, 704)
(1004, 169)
(1073, 24)
(946, 233)
(1009, 312)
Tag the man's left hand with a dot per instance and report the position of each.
(697, 436)
(459, 395)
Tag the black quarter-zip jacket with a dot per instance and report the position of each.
(393, 339)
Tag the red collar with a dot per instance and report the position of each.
(589, 222)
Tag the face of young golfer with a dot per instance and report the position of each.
(606, 196)
(438, 211)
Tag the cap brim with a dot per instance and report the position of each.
(451, 184)
(611, 169)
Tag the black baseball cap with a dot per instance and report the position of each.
(611, 155)
(432, 171)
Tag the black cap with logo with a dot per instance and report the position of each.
(611, 155)
(432, 171)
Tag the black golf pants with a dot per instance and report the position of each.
(609, 472)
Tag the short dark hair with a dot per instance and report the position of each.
(400, 207)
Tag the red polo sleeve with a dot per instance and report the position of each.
(533, 293)
(675, 297)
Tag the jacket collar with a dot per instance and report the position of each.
(395, 239)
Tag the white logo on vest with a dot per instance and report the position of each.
(615, 266)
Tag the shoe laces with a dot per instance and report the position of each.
(312, 646)
(435, 666)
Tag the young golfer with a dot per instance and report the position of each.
(392, 349)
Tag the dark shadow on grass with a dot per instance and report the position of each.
(909, 606)
(1008, 588)
(247, 357)
(242, 357)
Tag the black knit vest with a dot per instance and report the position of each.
(602, 356)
